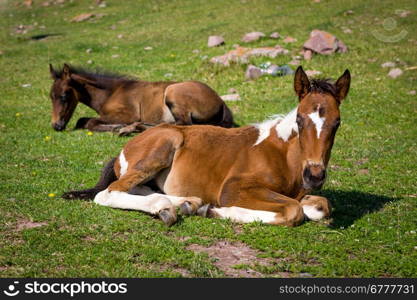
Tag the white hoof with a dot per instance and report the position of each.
(103, 198)
(160, 202)
(313, 213)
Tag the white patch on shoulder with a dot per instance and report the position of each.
(284, 125)
(244, 215)
(287, 125)
(318, 121)
(264, 129)
(123, 164)
(313, 213)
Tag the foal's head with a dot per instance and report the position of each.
(64, 97)
(318, 118)
(66, 91)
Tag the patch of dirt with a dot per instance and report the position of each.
(173, 268)
(238, 228)
(88, 238)
(184, 238)
(228, 255)
(27, 224)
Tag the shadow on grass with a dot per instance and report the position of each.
(348, 206)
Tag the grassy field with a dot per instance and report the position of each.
(373, 171)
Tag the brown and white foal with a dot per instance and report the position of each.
(255, 173)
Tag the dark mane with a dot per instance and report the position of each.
(103, 78)
(324, 86)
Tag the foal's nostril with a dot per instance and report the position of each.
(321, 175)
(313, 177)
(58, 126)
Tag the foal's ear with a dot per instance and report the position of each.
(66, 72)
(83, 80)
(342, 86)
(301, 83)
(54, 75)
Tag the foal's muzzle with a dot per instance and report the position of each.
(59, 126)
(314, 176)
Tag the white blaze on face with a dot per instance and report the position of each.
(123, 164)
(318, 121)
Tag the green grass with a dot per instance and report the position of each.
(372, 231)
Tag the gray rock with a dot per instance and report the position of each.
(394, 73)
(215, 40)
(275, 35)
(289, 39)
(253, 72)
(231, 97)
(242, 55)
(388, 64)
(252, 36)
(325, 43)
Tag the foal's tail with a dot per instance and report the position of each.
(106, 178)
(227, 120)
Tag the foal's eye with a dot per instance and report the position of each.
(299, 121)
(336, 123)
(63, 97)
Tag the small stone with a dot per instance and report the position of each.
(196, 51)
(120, 36)
(231, 97)
(388, 64)
(253, 72)
(148, 48)
(26, 85)
(115, 56)
(413, 92)
(348, 12)
(363, 172)
(289, 39)
(403, 13)
(308, 54)
(168, 75)
(347, 30)
(215, 40)
(312, 73)
(232, 91)
(275, 35)
(82, 17)
(89, 50)
(252, 36)
(394, 73)
(89, 61)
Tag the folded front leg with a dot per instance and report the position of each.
(316, 207)
(154, 204)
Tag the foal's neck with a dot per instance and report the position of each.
(96, 97)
